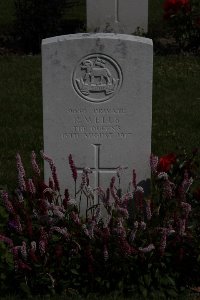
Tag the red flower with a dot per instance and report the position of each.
(165, 162)
(172, 7)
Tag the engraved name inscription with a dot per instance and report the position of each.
(97, 123)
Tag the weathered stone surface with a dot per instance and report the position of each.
(120, 16)
(97, 91)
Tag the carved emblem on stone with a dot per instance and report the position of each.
(97, 78)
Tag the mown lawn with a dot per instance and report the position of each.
(176, 108)
(94, 297)
(176, 104)
(21, 112)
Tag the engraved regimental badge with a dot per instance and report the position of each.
(97, 78)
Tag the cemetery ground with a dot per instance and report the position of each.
(175, 120)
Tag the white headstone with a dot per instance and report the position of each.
(122, 16)
(97, 102)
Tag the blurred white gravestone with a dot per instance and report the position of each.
(119, 16)
(97, 102)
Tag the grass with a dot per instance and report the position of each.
(76, 297)
(21, 112)
(176, 101)
(6, 16)
(94, 297)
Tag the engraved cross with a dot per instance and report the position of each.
(97, 170)
(117, 11)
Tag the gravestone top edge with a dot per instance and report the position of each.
(77, 36)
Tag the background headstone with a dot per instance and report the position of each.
(120, 16)
(97, 91)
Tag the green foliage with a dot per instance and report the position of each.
(183, 18)
(6, 269)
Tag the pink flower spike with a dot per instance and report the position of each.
(51, 184)
(139, 193)
(163, 241)
(47, 158)
(43, 241)
(187, 182)
(31, 187)
(134, 180)
(186, 208)
(112, 183)
(120, 170)
(23, 250)
(148, 210)
(75, 218)
(168, 189)
(182, 226)
(85, 230)
(20, 167)
(23, 266)
(147, 249)
(113, 190)
(73, 168)
(35, 166)
(53, 170)
(55, 178)
(154, 163)
(7, 203)
(21, 173)
(100, 193)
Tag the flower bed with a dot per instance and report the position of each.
(141, 245)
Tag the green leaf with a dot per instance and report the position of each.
(74, 271)
(147, 280)
(144, 292)
(171, 281)
(171, 293)
(149, 266)
(3, 276)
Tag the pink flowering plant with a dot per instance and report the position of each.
(183, 17)
(128, 242)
